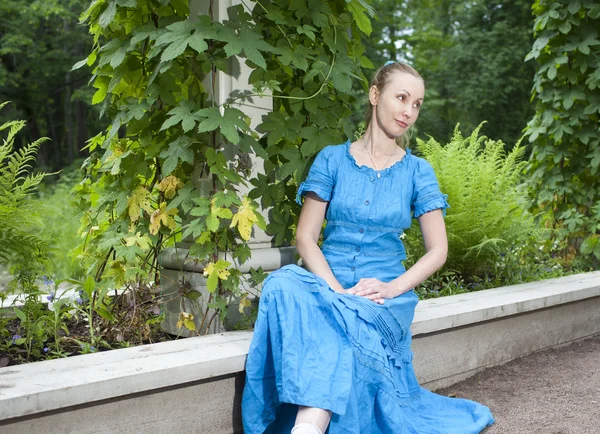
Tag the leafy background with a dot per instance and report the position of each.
(161, 160)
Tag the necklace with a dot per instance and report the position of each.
(373, 161)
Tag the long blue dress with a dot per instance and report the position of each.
(315, 347)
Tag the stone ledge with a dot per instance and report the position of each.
(57, 384)
(54, 384)
(463, 309)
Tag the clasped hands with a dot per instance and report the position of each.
(373, 289)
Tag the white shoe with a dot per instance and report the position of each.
(306, 428)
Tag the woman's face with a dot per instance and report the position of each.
(397, 107)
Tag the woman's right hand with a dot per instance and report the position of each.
(371, 293)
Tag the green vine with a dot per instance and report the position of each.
(565, 164)
(170, 165)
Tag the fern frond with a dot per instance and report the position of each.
(18, 214)
(19, 162)
(487, 213)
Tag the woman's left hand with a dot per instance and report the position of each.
(373, 289)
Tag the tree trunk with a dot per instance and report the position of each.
(68, 127)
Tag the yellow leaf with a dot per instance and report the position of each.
(186, 320)
(139, 200)
(244, 219)
(215, 271)
(189, 324)
(170, 185)
(163, 216)
(244, 303)
(142, 241)
(220, 267)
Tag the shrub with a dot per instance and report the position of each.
(26, 252)
(488, 214)
(565, 162)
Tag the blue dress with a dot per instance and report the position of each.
(315, 347)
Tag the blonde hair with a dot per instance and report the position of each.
(380, 80)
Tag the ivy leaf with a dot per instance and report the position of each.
(212, 119)
(307, 30)
(113, 53)
(142, 241)
(108, 15)
(242, 252)
(79, 64)
(315, 140)
(295, 162)
(595, 162)
(181, 34)
(218, 165)
(245, 218)
(127, 3)
(138, 201)
(101, 83)
(277, 126)
(170, 185)
(359, 14)
(244, 303)
(225, 198)
(565, 27)
(234, 44)
(572, 96)
(186, 320)
(174, 50)
(214, 272)
(220, 212)
(142, 32)
(340, 80)
(229, 123)
(212, 223)
(184, 113)
(164, 217)
(216, 213)
(253, 44)
(194, 228)
(178, 150)
(574, 6)
(202, 208)
(249, 144)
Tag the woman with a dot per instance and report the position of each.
(331, 347)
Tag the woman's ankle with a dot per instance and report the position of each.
(317, 417)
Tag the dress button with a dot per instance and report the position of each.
(358, 249)
(367, 202)
(361, 230)
(372, 178)
(353, 268)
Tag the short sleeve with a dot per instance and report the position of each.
(320, 177)
(426, 194)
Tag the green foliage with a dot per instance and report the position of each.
(73, 317)
(39, 42)
(60, 223)
(565, 164)
(172, 162)
(26, 252)
(487, 215)
(471, 57)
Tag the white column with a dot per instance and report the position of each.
(173, 265)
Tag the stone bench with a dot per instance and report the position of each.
(194, 385)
